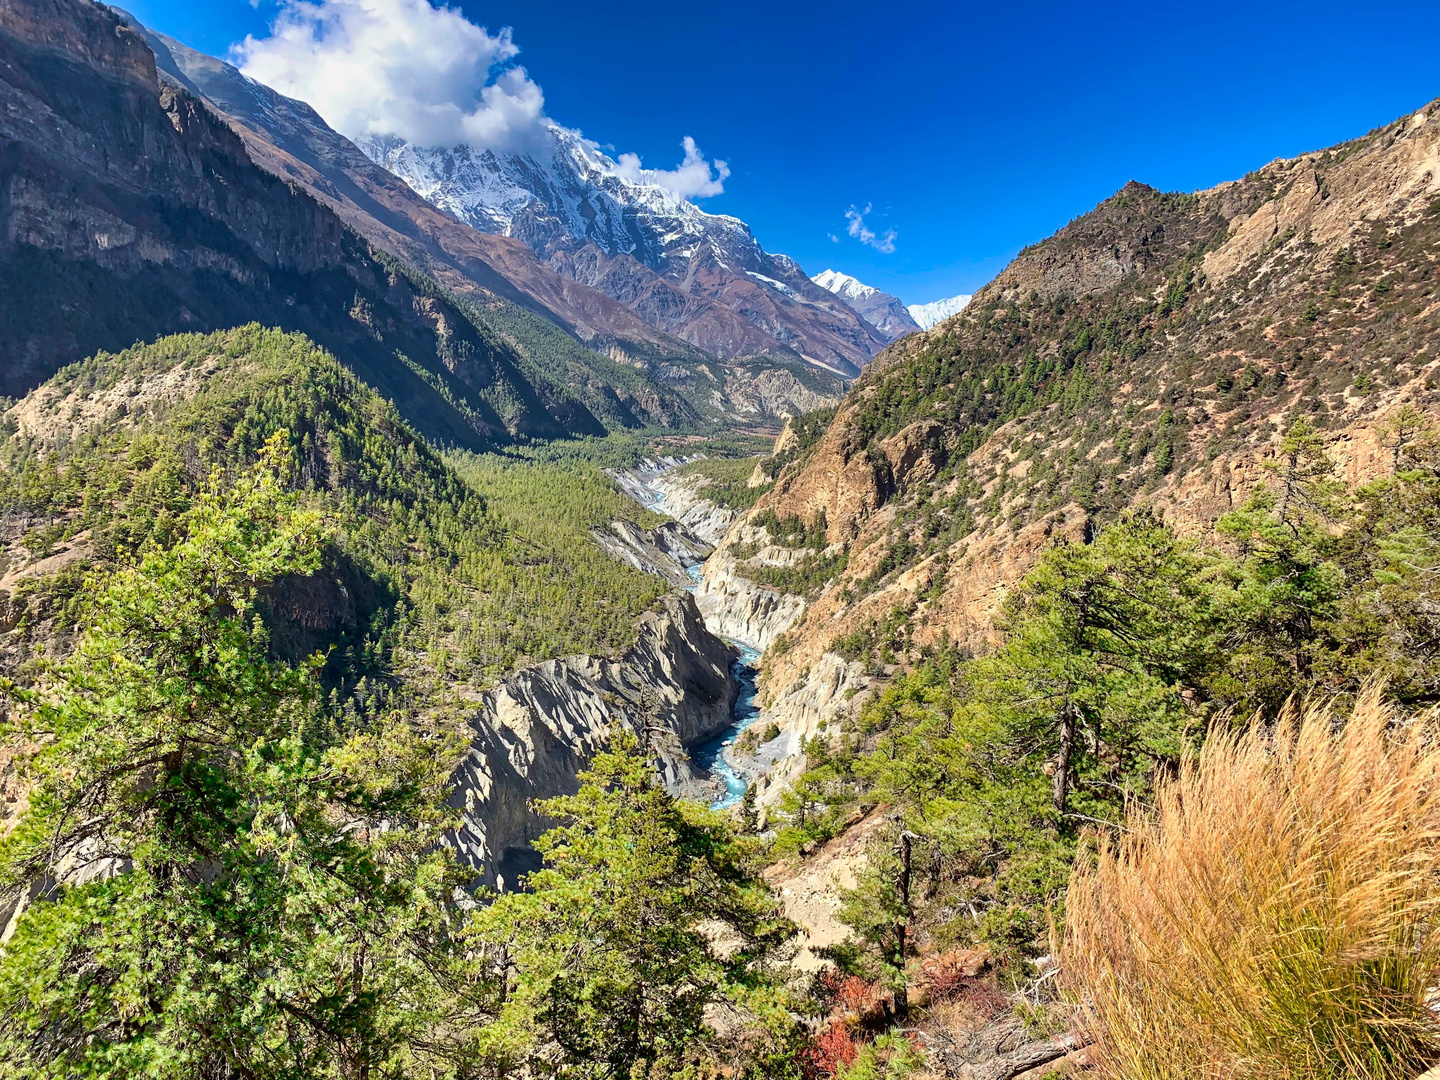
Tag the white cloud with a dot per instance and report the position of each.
(428, 75)
(399, 67)
(884, 242)
(694, 178)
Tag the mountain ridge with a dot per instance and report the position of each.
(682, 269)
(886, 313)
(289, 139)
(1151, 354)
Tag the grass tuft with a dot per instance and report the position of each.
(1274, 915)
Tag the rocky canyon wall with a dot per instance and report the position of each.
(536, 731)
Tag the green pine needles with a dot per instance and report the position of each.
(221, 881)
(648, 915)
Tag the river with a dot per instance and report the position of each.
(744, 670)
(711, 755)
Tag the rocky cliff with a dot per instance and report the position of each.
(659, 485)
(540, 727)
(669, 550)
(1150, 353)
(737, 608)
(128, 210)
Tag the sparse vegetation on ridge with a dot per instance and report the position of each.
(1115, 657)
(1128, 390)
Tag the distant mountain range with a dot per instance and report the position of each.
(129, 211)
(729, 364)
(927, 315)
(884, 312)
(702, 277)
(636, 302)
(881, 310)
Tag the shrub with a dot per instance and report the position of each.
(832, 1049)
(955, 976)
(1274, 916)
(890, 1057)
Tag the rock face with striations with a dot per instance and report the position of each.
(739, 609)
(128, 210)
(680, 495)
(668, 550)
(541, 726)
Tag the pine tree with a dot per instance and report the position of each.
(647, 913)
(219, 884)
(1099, 639)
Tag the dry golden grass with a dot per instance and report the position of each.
(1274, 917)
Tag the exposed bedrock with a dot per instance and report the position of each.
(667, 551)
(659, 485)
(736, 608)
(536, 731)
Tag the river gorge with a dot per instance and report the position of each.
(691, 686)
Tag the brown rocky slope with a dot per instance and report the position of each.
(1151, 352)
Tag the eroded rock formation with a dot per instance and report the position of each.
(541, 726)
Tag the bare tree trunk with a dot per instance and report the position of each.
(1062, 766)
(1001, 1051)
(904, 845)
(1031, 1056)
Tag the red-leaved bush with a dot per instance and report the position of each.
(853, 995)
(834, 1046)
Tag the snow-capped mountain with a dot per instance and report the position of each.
(927, 315)
(567, 191)
(764, 380)
(700, 276)
(881, 310)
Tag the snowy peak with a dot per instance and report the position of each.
(565, 192)
(844, 286)
(927, 315)
(700, 276)
(881, 310)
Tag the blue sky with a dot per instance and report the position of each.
(970, 129)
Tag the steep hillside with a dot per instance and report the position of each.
(538, 308)
(1153, 352)
(451, 622)
(1177, 466)
(131, 211)
(98, 460)
(290, 139)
